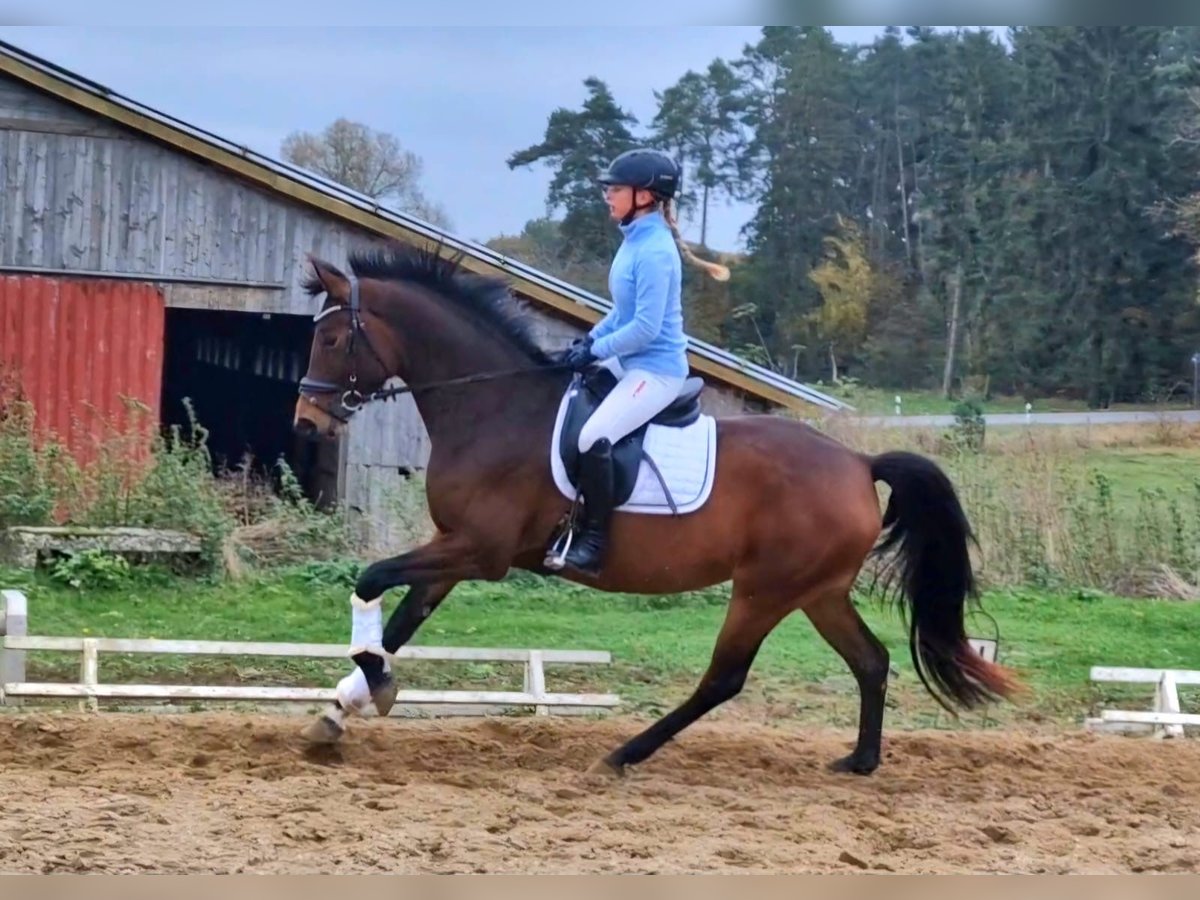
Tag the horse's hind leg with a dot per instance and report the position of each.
(747, 623)
(836, 619)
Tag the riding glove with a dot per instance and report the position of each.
(579, 355)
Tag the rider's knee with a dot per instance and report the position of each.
(588, 435)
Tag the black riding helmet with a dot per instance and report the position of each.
(651, 170)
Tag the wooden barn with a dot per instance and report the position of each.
(144, 257)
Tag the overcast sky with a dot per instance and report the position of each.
(462, 98)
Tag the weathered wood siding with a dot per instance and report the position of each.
(78, 193)
(99, 199)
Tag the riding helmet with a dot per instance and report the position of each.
(651, 170)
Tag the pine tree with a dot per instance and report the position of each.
(801, 107)
(700, 119)
(579, 144)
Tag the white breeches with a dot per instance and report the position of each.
(637, 398)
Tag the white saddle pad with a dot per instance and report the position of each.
(686, 458)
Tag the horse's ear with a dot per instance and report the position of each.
(330, 278)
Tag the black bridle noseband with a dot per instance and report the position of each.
(353, 399)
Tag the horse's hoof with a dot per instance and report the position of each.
(854, 765)
(384, 696)
(606, 768)
(323, 731)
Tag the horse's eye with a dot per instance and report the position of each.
(329, 340)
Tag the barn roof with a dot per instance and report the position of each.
(350, 206)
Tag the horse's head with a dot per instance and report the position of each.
(353, 352)
(418, 317)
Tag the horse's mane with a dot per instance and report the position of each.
(484, 300)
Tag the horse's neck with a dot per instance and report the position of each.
(501, 419)
(458, 416)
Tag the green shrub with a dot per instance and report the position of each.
(91, 570)
(165, 482)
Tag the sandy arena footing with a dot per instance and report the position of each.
(224, 792)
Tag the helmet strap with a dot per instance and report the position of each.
(634, 209)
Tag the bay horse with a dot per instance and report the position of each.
(792, 517)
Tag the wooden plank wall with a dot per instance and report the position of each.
(80, 195)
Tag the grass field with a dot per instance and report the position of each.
(659, 645)
(1133, 470)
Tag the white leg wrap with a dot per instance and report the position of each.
(352, 691)
(366, 626)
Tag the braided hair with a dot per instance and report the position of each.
(716, 270)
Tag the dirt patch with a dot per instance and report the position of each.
(232, 793)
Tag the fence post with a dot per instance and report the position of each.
(90, 672)
(537, 681)
(1166, 699)
(14, 621)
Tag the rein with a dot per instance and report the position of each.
(463, 379)
(353, 399)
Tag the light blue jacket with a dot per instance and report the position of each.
(644, 330)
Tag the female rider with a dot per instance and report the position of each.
(641, 341)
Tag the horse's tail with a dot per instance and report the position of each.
(928, 527)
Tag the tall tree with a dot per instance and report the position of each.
(368, 161)
(847, 285)
(886, 126)
(1115, 281)
(802, 110)
(700, 119)
(960, 163)
(578, 144)
(1179, 69)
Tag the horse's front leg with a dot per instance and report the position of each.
(372, 680)
(432, 571)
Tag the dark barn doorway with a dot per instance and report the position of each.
(239, 370)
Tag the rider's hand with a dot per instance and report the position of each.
(579, 355)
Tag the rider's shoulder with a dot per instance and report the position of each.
(659, 246)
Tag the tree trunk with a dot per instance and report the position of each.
(917, 214)
(1096, 378)
(952, 338)
(879, 227)
(900, 172)
(704, 219)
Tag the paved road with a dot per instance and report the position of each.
(1098, 417)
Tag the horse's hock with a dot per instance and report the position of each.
(22, 546)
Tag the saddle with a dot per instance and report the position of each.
(589, 392)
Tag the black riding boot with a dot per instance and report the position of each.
(596, 485)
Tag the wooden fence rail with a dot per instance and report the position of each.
(15, 643)
(1164, 719)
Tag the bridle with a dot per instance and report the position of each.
(352, 399)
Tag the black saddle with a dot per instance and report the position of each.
(594, 385)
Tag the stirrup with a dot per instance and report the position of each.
(594, 566)
(556, 557)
